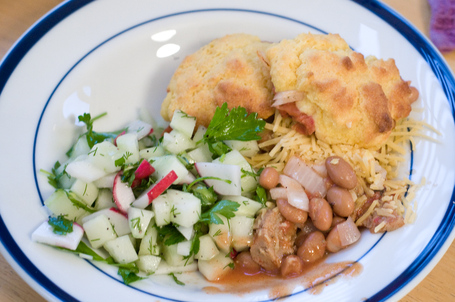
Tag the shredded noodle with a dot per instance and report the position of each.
(377, 170)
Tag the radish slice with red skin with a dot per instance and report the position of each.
(155, 190)
(45, 234)
(290, 96)
(348, 232)
(142, 129)
(122, 193)
(144, 170)
(115, 140)
(162, 185)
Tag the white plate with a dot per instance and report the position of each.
(106, 56)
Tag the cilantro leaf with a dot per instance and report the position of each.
(78, 203)
(95, 137)
(170, 235)
(225, 208)
(53, 177)
(207, 195)
(236, 124)
(128, 276)
(61, 225)
(261, 195)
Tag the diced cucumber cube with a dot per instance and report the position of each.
(80, 147)
(184, 248)
(185, 208)
(162, 208)
(99, 231)
(82, 168)
(59, 204)
(215, 268)
(116, 218)
(166, 269)
(65, 181)
(165, 164)
(88, 192)
(149, 245)
(176, 142)
(207, 248)
(139, 220)
(201, 154)
(106, 181)
(247, 148)
(248, 207)
(221, 234)
(187, 232)
(242, 232)
(248, 182)
(148, 263)
(105, 200)
(128, 146)
(183, 123)
(172, 258)
(140, 128)
(200, 132)
(152, 152)
(103, 155)
(121, 249)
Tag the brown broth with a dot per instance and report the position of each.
(313, 279)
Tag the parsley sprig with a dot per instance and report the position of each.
(96, 137)
(236, 124)
(61, 225)
(224, 208)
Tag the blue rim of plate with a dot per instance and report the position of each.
(428, 52)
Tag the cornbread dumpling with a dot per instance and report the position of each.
(352, 100)
(227, 69)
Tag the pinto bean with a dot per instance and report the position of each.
(246, 262)
(291, 213)
(320, 213)
(333, 241)
(341, 201)
(301, 236)
(341, 172)
(291, 266)
(269, 178)
(313, 248)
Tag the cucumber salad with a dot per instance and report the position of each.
(154, 202)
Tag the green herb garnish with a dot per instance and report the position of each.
(128, 275)
(95, 137)
(225, 208)
(175, 279)
(61, 225)
(236, 124)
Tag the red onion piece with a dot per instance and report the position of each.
(306, 176)
(285, 97)
(348, 231)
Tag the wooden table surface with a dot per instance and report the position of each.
(16, 16)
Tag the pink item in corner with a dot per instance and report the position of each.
(442, 24)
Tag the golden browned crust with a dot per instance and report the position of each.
(352, 100)
(225, 70)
